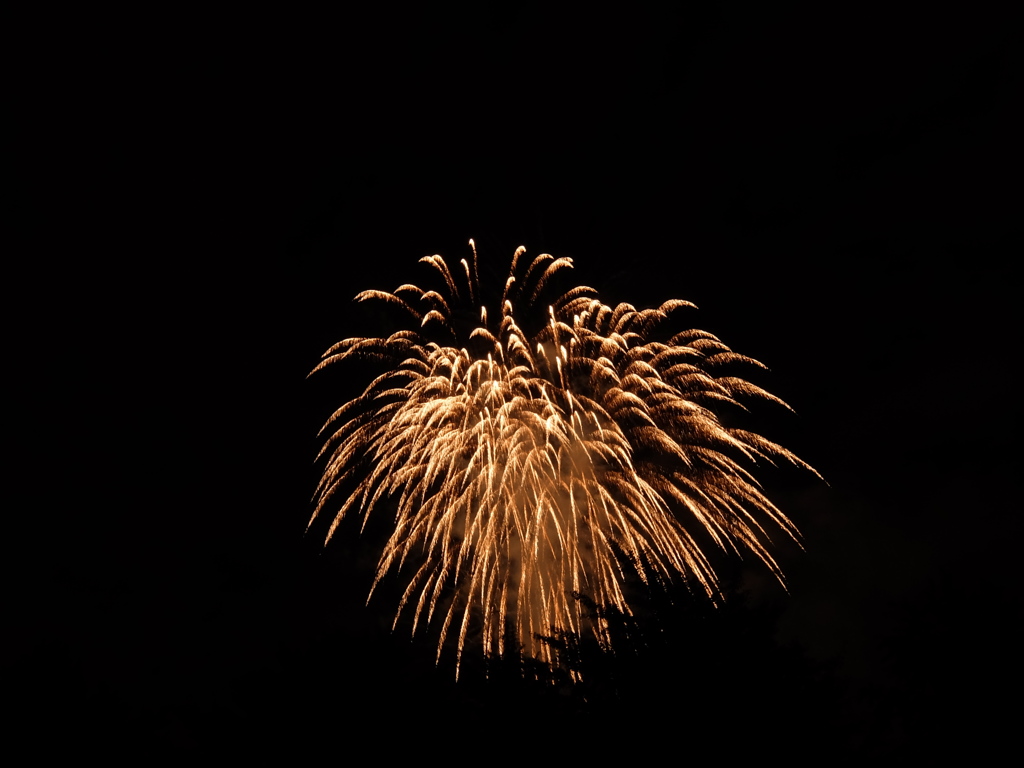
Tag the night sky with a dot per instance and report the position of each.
(203, 198)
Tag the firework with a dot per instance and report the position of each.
(528, 464)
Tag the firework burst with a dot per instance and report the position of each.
(530, 464)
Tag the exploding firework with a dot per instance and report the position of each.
(527, 465)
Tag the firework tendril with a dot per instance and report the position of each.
(526, 469)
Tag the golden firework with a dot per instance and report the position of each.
(526, 469)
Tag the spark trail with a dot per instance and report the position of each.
(525, 468)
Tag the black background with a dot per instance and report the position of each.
(201, 199)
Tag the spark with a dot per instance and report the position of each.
(528, 468)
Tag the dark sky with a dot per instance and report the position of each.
(204, 196)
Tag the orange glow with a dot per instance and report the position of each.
(520, 469)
